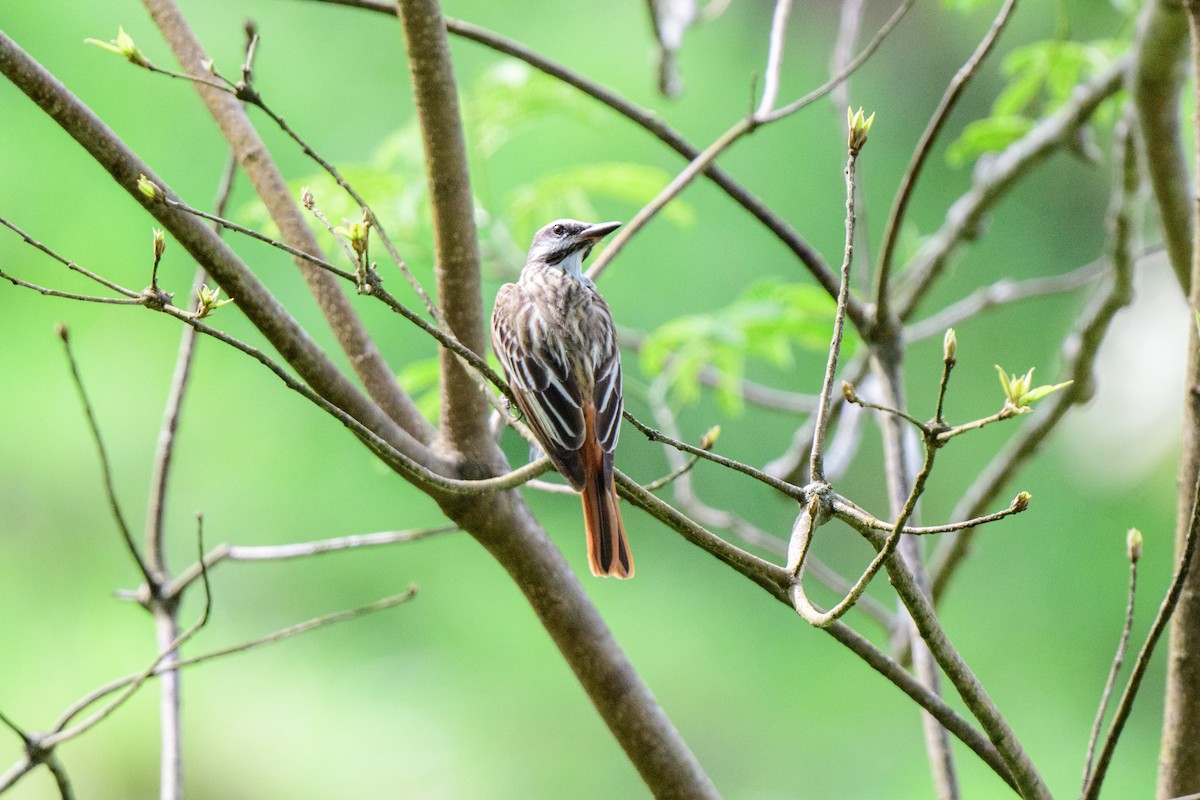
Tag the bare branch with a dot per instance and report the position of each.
(110, 491)
(1005, 291)
(816, 468)
(71, 265)
(996, 177)
(230, 116)
(456, 250)
(1183, 566)
(283, 552)
(134, 680)
(779, 19)
(1134, 555)
(1156, 82)
(790, 490)
(958, 85)
(1081, 349)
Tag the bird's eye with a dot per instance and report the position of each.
(558, 230)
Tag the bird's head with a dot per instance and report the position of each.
(565, 243)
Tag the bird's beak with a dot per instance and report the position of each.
(595, 233)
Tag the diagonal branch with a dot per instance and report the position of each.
(646, 119)
(891, 231)
(250, 295)
(996, 178)
(377, 377)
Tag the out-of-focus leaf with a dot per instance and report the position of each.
(767, 322)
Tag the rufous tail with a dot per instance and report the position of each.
(608, 550)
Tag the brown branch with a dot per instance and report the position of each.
(1081, 348)
(816, 468)
(1156, 82)
(504, 525)
(891, 231)
(230, 116)
(1174, 759)
(456, 249)
(250, 295)
(1179, 757)
(995, 179)
(105, 466)
(1134, 553)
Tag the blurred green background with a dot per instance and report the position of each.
(460, 694)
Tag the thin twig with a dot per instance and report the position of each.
(82, 704)
(795, 492)
(1081, 349)
(779, 20)
(71, 265)
(1142, 662)
(1007, 290)
(958, 84)
(283, 552)
(110, 491)
(817, 461)
(852, 514)
(1134, 556)
(84, 298)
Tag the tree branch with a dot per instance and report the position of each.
(456, 248)
(1081, 350)
(1179, 758)
(250, 295)
(995, 178)
(230, 115)
(958, 85)
(1156, 82)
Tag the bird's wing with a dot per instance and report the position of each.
(607, 395)
(539, 374)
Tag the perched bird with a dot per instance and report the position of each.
(554, 336)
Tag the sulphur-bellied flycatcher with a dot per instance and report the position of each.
(554, 336)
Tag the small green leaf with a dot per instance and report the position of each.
(1033, 395)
